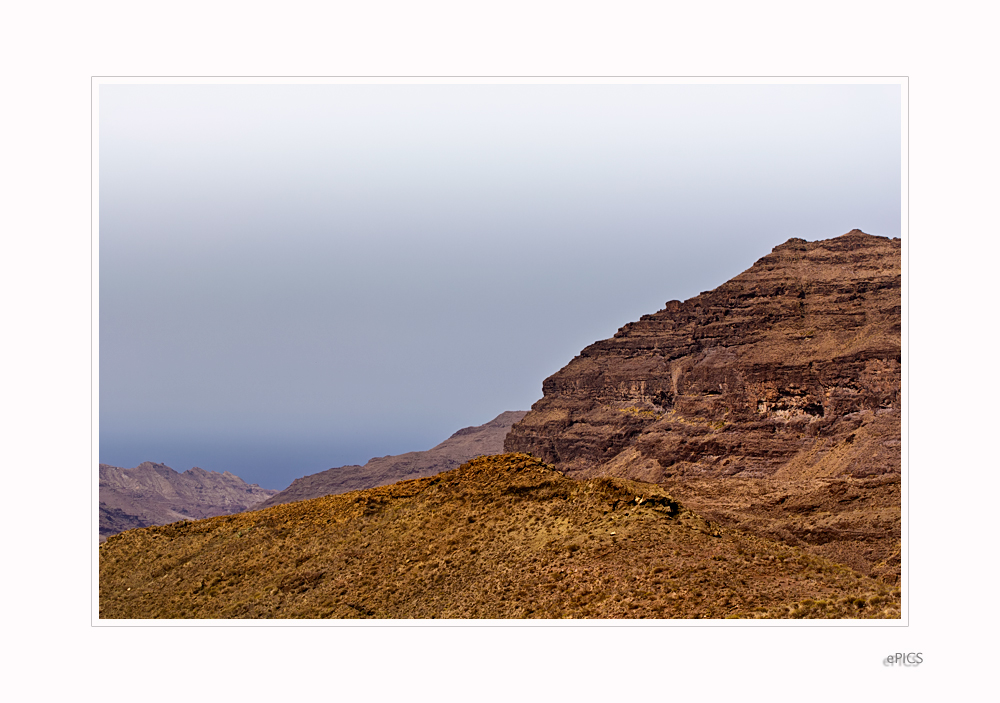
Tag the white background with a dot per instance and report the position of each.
(49, 53)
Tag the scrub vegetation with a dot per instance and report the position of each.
(502, 536)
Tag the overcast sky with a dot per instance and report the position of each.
(299, 277)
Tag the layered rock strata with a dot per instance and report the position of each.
(783, 381)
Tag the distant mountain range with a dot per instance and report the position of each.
(467, 443)
(155, 494)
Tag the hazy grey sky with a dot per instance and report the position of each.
(299, 277)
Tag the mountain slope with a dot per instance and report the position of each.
(499, 537)
(771, 403)
(465, 444)
(155, 494)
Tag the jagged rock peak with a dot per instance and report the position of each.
(150, 465)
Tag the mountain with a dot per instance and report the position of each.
(155, 494)
(771, 404)
(465, 444)
(499, 537)
(733, 455)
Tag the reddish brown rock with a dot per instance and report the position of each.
(781, 383)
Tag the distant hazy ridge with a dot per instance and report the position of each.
(466, 444)
(155, 494)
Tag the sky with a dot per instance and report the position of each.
(297, 277)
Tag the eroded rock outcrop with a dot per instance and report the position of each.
(792, 357)
(784, 380)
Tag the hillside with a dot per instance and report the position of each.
(467, 443)
(155, 494)
(499, 537)
(771, 403)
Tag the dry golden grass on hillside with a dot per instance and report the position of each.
(499, 537)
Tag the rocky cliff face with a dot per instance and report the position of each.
(782, 382)
(155, 494)
(466, 444)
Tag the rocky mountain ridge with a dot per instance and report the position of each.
(782, 383)
(499, 537)
(155, 494)
(465, 444)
